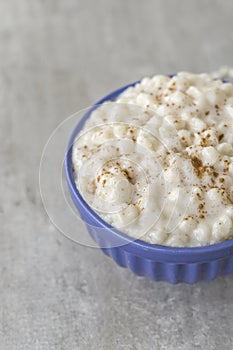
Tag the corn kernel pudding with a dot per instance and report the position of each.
(157, 163)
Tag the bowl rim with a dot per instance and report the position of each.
(206, 252)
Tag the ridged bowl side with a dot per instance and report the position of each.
(163, 271)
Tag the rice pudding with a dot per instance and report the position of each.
(157, 163)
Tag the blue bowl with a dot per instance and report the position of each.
(160, 263)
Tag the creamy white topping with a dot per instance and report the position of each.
(157, 163)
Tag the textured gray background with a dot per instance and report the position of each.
(57, 57)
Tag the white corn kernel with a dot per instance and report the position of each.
(209, 155)
(222, 227)
(197, 125)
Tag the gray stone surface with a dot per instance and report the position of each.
(57, 57)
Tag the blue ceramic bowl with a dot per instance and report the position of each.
(160, 263)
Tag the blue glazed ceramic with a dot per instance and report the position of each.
(157, 262)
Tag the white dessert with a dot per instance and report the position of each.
(157, 163)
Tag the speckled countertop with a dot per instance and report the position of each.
(57, 57)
